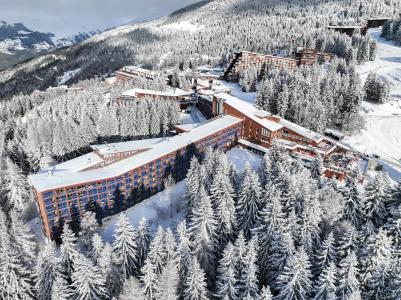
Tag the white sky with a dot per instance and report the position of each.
(66, 17)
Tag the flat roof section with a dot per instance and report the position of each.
(250, 111)
(69, 173)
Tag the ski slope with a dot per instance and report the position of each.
(382, 134)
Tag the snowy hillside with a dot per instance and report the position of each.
(382, 135)
(18, 43)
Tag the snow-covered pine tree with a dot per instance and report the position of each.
(270, 218)
(353, 206)
(227, 277)
(60, 289)
(89, 227)
(249, 202)
(167, 286)
(24, 239)
(295, 280)
(317, 168)
(376, 90)
(46, 271)
(265, 294)
(16, 187)
(68, 250)
(87, 280)
(96, 247)
(325, 286)
(326, 254)
(375, 201)
(157, 251)
(195, 284)
(170, 245)
(193, 185)
(131, 290)
(377, 264)
(347, 241)
(222, 195)
(282, 248)
(143, 240)
(248, 282)
(183, 254)
(110, 270)
(348, 282)
(125, 247)
(202, 232)
(148, 279)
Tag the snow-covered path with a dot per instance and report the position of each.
(382, 134)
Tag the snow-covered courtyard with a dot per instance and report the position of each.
(164, 208)
(382, 135)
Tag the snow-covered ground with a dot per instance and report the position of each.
(67, 76)
(157, 209)
(192, 117)
(382, 134)
(236, 91)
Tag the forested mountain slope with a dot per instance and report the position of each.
(204, 32)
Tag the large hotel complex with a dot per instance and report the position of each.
(116, 176)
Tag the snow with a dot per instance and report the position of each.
(240, 157)
(236, 91)
(61, 177)
(23, 32)
(170, 92)
(249, 110)
(42, 46)
(193, 117)
(67, 76)
(157, 209)
(9, 45)
(184, 25)
(382, 135)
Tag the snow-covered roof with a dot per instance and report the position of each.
(132, 69)
(69, 173)
(253, 145)
(250, 111)
(301, 130)
(171, 92)
(105, 149)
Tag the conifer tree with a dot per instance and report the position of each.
(69, 250)
(60, 289)
(202, 231)
(325, 288)
(149, 279)
(348, 282)
(183, 254)
(87, 280)
(265, 294)
(374, 204)
(248, 282)
(131, 290)
(125, 246)
(195, 284)
(249, 202)
(227, 277)
(295, 280)
(317, 168)
(326, 254)
(143, 240)
(47, 270)
(193, 185)
(353, 206)
(157, 251)
(222, 195)
(167, 286)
